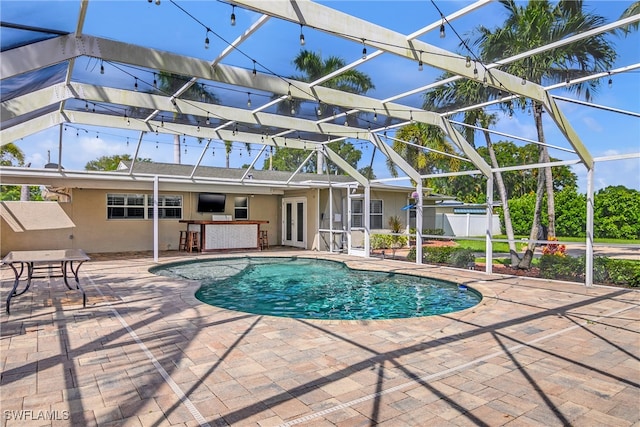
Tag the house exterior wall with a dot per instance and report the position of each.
(95, 233)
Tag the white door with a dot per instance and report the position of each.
(294, 220)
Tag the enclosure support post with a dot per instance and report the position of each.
(588, 273)
(489, 243)
(367, 220)
(155, 218)
(330, 216)
(419, 221)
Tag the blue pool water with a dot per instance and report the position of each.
(318, 289)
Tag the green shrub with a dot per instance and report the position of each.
(438, 254)
(462, 258)
(605, 270)
(387, 241)
(623, 271)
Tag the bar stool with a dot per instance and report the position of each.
(264, 240)
(193, 241)
(182, 243)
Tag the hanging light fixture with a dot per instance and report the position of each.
(248, 99)
(101, 67)
(524, 81)
(289, 96)
(208, 121)
(135, 85)
(442, 34)
(610, 83)
(155, 81)
(233, 15)
(420, 67)
(157, 2)
(302, 41)
(467, 62)
(375, 115)
(485, 83)
(206, 39)
(364, 50)
(254, 68)
(475, 70)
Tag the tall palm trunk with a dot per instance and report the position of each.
(502, 191)
(525, 263)
(551, 205)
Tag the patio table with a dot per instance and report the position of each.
(69, 261)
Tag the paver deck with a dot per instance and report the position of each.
(145, 352)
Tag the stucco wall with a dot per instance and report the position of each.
(96, 234)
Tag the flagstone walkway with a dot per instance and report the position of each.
(146, 352)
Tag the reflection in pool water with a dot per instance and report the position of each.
(308, 288)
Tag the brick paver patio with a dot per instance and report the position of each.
(145, 352)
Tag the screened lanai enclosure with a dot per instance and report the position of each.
(347, 100)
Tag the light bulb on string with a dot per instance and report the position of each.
(442, 34)
(302, 41)
(475, 71)
(208, 121)
(254, 68)
(233, 15)
(375, 115)
(135, 85)
(364, 49)
(248, 99)
(101, 67)
(467, 62)
(523, 82)
(206, 40)
(485, 83)
(86, 106)
(610, 83)
(420, 67)
(157, 2)
(155, 81)
(289, 96)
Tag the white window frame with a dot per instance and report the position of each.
(146, 205)
(373, 213)
(237, 208)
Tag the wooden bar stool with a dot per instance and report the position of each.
(264, 240)
(182, 243)
(193, 241)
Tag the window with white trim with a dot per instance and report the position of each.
(241, 207)
(375, 213)
(140, 206)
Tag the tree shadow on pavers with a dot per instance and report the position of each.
(378, 359)
(126, 350)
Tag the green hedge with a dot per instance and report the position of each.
(449, 255)
(605, 270)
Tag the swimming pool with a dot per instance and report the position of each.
(307, 288)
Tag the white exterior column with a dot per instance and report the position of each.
(588, 274)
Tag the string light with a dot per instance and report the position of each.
(198, 128)
(610, 83)
(254, 68)
(524, 81)
(375, 115)
(233, 15)
(302, 41)
(86, 106)
(208, 121)
(468, 62)
(475, 70)
(567, 81)
(293, 108)
(155, 81)
(364, 50)
(248, 99)
(485, 83)
(420, 67)
(206, 40)
(411, 117)
(289, 97)
(442, 34)
(101, 67)
(127, 141)
(135, 85)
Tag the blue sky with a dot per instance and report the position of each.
(165, 27)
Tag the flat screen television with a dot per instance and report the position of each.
(211, 202)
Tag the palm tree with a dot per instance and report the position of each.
(535, 24)
(169, 84)
(313, 67)
(634, 9)
(462, 93)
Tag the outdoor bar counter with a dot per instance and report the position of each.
(220, 235)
